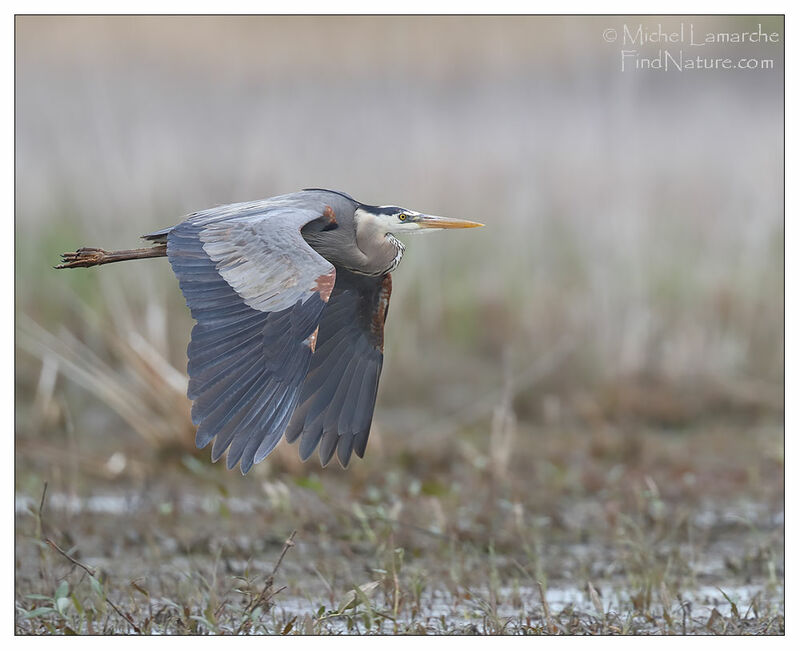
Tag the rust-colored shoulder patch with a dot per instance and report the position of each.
(330, 216)
(381, 310)
(324, 285)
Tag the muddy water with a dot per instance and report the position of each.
(715, 585)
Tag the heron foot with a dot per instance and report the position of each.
(83, 257)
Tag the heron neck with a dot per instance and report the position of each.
(382, 250)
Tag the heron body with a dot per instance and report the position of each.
(290, 295)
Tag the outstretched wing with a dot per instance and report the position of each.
(257, 292)
(338, 396)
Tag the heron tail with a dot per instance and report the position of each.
(89, 257)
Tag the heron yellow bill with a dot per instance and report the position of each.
(434, 221)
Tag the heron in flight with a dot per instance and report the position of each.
(290, 295)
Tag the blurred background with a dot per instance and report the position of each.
(634, 219)
(629, 280)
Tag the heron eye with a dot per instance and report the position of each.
(402, 217)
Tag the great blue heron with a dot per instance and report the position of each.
(290, 295)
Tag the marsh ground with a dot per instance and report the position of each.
(681, 532)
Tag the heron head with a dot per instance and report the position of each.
(394, 219)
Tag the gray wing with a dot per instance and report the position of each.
(261, 254)
(257, 292)
(338, 397)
